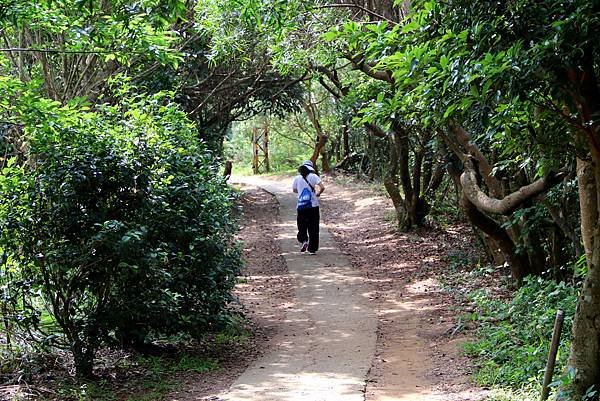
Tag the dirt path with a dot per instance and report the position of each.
(326, 349)
(299, 332)
(417, 355)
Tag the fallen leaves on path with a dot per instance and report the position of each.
(417, 355)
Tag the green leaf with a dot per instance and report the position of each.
(474, 91)
(486, 87)
(444, 61)
(330, 35)
(411, 26)
(449, 110)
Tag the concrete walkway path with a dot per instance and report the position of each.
(327, 349)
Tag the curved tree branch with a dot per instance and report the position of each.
(463, 137)
(329, 89)
(359, 7)
(362, 65)
(516, 261)
(509, 203)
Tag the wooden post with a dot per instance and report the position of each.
(266, 147)
(558, 322)
(260, 149)
(228, 169)
(346, 139)
(254, 151)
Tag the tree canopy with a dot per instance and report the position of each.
(115, 112)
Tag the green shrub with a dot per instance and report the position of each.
(117, 224)
(513, 337)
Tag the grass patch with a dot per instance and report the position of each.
(153, 390)
(194, 363)
(235, 333)
(150, 378)
(528, 392)
(100, 391)
(513, 338)
(161, 373)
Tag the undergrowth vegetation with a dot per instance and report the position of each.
(512, 337)
(149, 377)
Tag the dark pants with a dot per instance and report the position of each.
(308, 227)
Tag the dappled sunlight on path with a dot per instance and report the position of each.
(327, 349)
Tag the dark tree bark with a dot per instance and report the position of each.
(519, 264)
(477, 170)
(391, 184)
(228, 169)
(346, 140)
(585, 346)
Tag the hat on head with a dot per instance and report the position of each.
(309, 164)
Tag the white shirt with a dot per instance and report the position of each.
(299, 185)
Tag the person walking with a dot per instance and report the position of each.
(309, 188)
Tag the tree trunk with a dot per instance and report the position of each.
(84, 360)
(346, 140)
(402, 146)
(588, 203)
(427, 172)
(325, 167)
(480, 204)
(391, 184)
(519, 264)
(321, 139)
(585, 345)
(490, 246)
(319, 145)
(228, 169)
(421, 174)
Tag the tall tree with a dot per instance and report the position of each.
(520, 75)
(74, 47)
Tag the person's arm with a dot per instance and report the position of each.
(295, 186)
(320, 188)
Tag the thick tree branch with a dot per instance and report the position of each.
(312, 114)
(515, 260)
(509, 203)
(359, 7)
(329, 89)
(484, 166)
(361, 65)
(376, 130)
(402, 142)
(332, 76)
(453, 145)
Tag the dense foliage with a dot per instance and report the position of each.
(115, 228)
